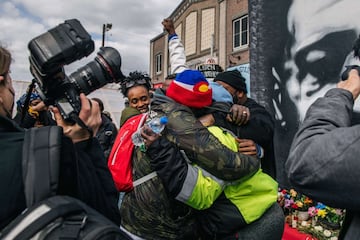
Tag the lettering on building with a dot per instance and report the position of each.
(209, 70)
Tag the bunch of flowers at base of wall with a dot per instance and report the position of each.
(328, 216)
(292, 200)
(324, 223)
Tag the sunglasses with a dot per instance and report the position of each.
(132, 83)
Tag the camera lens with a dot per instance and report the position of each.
(103, 70)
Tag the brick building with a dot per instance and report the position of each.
(215, 34)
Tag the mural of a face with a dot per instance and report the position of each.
(299, 50)
(322, 33)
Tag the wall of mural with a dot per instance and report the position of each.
(298, 50)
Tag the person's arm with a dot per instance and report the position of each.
(94, 182)
(324, 157)
(96, 186)
(177, 55)
(259, 128)
(190, 135)
(183, 181)
(246, 146)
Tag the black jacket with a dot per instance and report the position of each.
(259, 128)
(106, 134)
(83, 174)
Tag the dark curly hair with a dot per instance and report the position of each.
(135, 78)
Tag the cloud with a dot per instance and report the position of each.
(134, 24)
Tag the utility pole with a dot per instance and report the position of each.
(106, 27)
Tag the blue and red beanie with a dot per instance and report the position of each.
(191, 89)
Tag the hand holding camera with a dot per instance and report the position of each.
(90, 115)
(345, 74)
(350, 78)
(352, 83)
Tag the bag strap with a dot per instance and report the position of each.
(144, 178)
(40, 162)
(114, 156)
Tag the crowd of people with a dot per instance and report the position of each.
(211, 174)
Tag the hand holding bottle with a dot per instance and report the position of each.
(149, 132)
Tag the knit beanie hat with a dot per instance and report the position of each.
(191, 89)
(233, 78)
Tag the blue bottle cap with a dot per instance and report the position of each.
(163, 120)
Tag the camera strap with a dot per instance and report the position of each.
(76, 118)
(25, 107)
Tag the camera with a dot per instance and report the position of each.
(348, 68)
(356, 50)
(60, 46)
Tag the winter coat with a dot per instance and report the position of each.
(324, 157)
(83, 174)
(106, 134)
(260, 129)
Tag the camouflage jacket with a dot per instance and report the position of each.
(148, 212)
(203, 148)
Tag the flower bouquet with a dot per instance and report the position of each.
(330, 218)
(325, 221)
(293, 200)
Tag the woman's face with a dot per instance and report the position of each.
(139, 98)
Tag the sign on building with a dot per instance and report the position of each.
(210, 68)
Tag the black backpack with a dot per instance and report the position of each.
(49, 216)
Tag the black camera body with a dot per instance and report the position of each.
(356, 50)
(345, 74)
(61, 46)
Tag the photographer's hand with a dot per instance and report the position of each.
(39, 106)
(89, 114)
(352, 83)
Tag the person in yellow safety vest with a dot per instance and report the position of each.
(228, 206)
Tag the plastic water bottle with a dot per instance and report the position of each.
(157, 125)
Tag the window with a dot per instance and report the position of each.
(190, 33)
(158, 64)
(240, 32)
(207, 28)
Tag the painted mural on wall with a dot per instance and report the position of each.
(298, 50)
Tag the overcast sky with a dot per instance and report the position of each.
(134, 24)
